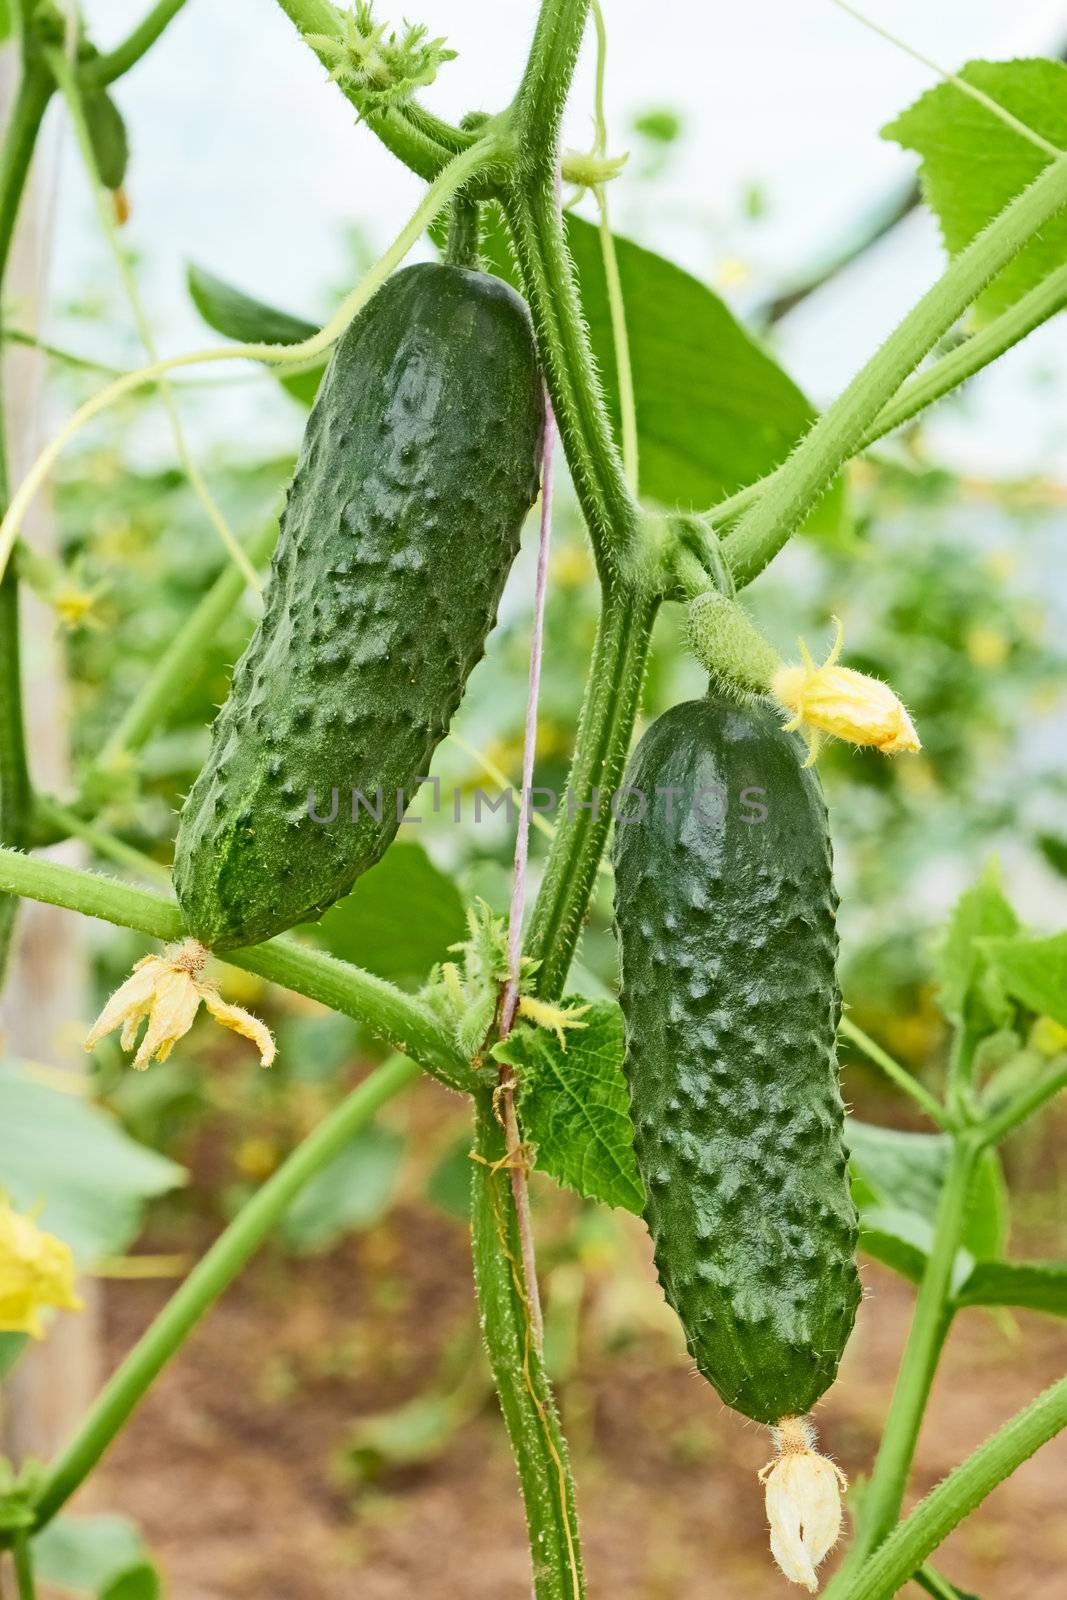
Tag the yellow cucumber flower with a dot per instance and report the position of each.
(803, 1492)
(848, 704)
(168, 993)
(36, 1270)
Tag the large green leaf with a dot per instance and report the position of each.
(974, 163)
(240, 316)
(73, 1160)
(95, 1555)
(714, 410)
(1034, 971)
(349, 1194)
(965, 992)
(575, 1107)
(400, 918)
(1034, 1285)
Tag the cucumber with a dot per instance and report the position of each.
(420, 460)
(725, 912)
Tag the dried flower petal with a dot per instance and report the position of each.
(848, 704)
(803, 1491)
(168, 992)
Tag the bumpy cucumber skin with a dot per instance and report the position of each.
(730, 995)
(420, 460)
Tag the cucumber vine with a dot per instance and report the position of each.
(644, 559)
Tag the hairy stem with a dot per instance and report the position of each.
(791, 492)
(957, 1495)
(1031, 1099)
(933, 1313)
(104, 69)
(210, 1277)
(518, 1370)
(605, 728)
(16, 154)
(894, 1072)
(22, 1556)
(395, 1017)
(948, 373)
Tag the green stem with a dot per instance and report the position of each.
(518, 1370)
(838, 433)
(59, 822)
(16, 154)
(537, 110)
(210, 1277)
(104, 69)
(23, 1558)
(957, 1495)
(1032, 1098)
(400, 1020)
(420, 140)
(551, 287)
(932, 384)
(933, 1313)
(895, 1072)
(183, 658)
(605, 728)
(933, 1583)
(464, 233)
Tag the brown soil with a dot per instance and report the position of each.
(234, 1464)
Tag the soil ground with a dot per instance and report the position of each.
(236, 1465)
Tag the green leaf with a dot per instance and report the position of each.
(11, 1347)
(574, 1105)
(965, 995)
(448, 1185)
(349, 1194)
(71, 1158)
(89, 1555)
(400, 918)
(140, 1583)
(1034, 971)
(897, 1179)
(974, 164)
(1032, 1285)
(714, 410)
(239, 316)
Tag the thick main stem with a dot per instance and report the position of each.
(605, 727)
(393, 1016)
(210, 1277)
(885, 1493)
(518, 1369)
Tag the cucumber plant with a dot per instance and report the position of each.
(420, 458)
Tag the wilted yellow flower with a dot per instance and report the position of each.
(168, 993)
(848, 704)
(556, 1018)
(803, 1492)
(36, 1269)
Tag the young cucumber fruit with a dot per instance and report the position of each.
(725, 909)
(420, 460)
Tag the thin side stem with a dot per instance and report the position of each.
(605, 728)
(61, 822)
(1032, 1098)
(210, 1277)
(22, 1556)
(105, 68)
(184, 655)
(895, 1072)
(518, 1371)
(791, 492)
(933, 1313)
(395, 1017)
(955, 1497)
(450, 181)
(948, 373)
(69, 87)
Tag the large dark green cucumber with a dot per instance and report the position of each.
(420, 460)
(725, 909)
